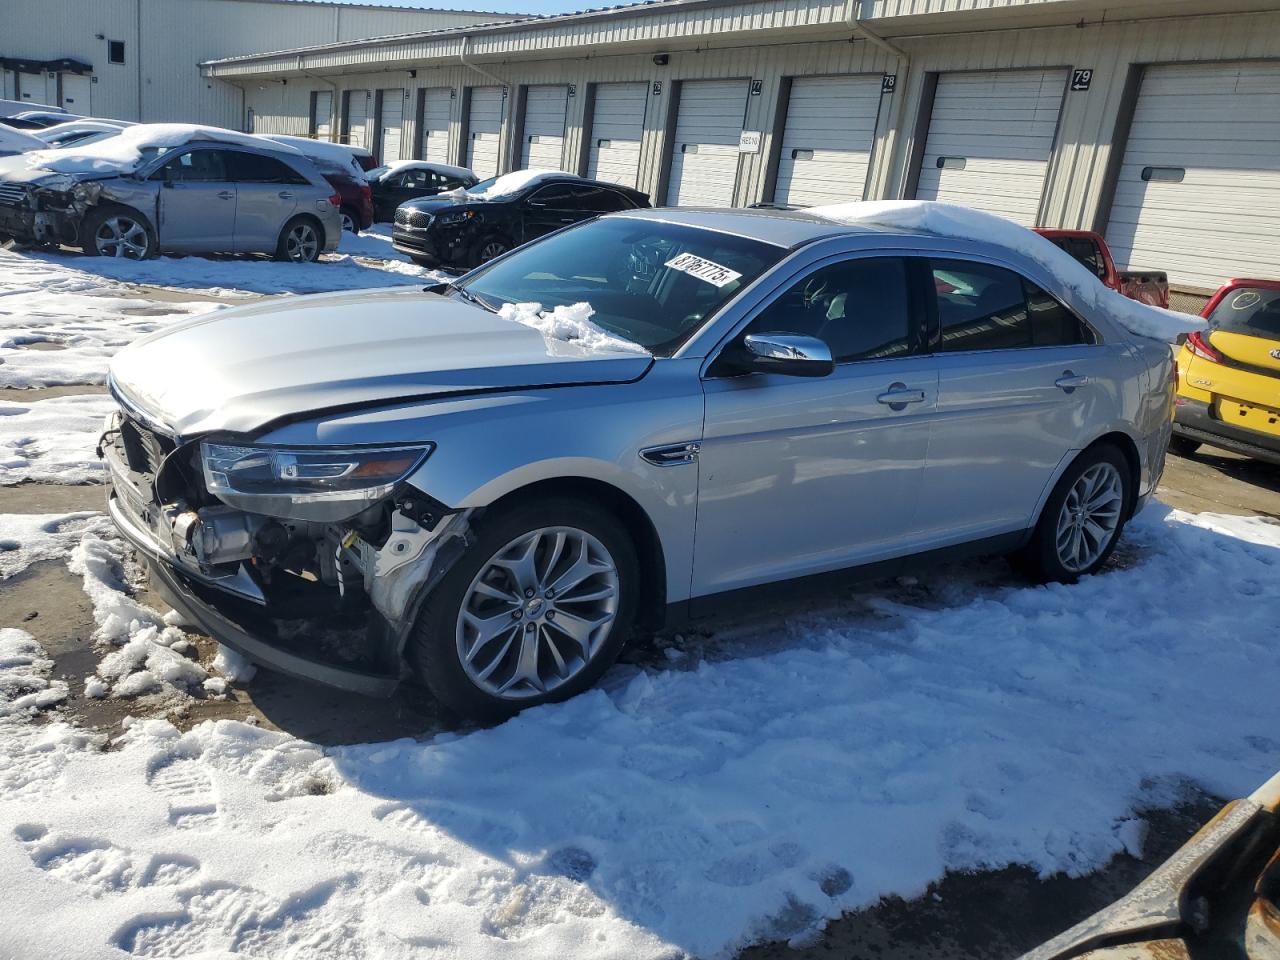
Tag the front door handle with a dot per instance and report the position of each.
(226, 195)
(898, 396)
(1069, 381)
(566, 220)
(285, 195)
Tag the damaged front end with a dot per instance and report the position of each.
(308, 561)
(47, 210)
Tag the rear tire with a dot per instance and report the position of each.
(1183, 446)
(1082, 520)
(301, 241)
(350, 220)
(117, 232)
(533, 629)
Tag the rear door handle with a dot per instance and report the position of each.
(1069, 381)
(285, 195)
(226, 195)
(898, 396)
(566, 220)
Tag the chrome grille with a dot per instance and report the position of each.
(12, 194)
(144, 450)
(410, 217)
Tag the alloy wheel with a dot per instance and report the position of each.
(1089, 517)
(302, 244)
(122, 237)
(537, 613)
(494, 248)
(348, 223)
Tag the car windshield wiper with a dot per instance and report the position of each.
(464, 293)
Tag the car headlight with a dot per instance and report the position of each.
(456, 217)
(306, 483)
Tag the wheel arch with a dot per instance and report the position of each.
(648, 544)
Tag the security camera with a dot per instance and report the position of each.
(661, 59)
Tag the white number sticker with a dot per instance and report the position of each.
(708, 270)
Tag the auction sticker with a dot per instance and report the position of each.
(708, 270)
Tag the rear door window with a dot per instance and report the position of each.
(1084, 250)
(254, 168)
(1252, 311)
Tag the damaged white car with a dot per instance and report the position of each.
(170, 188)
(489, 483)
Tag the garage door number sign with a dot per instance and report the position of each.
(707, 270)
(1080, 79)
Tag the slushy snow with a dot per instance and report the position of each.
(570, 324)
(963, 223)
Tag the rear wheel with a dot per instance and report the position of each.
(300, 241)
(1183, 446)
(117, 232)
(534, 612)
(350, 220)
(1082, 519)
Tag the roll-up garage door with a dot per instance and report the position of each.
(704, 156)
(390, 124)
(484, 130)
(435, 124)
(357, 117)
(322, 122)
(31, 88)
(990, 139)
(617, 127)
(1198, 194)
(543, 141)
(827, 141)
(76, 94)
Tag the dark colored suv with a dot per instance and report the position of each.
(396, 184)
(465, 229)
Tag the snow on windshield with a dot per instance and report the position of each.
(511, 183)
(571, 324)
(961, 223)
(135, 145)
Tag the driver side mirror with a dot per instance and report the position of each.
(788, 354)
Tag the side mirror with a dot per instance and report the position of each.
(788, 354)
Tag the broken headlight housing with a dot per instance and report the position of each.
(324, 484)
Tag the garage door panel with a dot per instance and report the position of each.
(827, 140)
(436, 107)
(543, 136)
(704, 157)
(617, 129)
(484, 130)
(999, 129)
(358, 118)
(1219, 123)
(391, 124)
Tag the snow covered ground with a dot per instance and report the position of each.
(748, 785)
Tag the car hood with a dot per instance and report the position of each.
(239, 370)
(442, 201)
(16, 169)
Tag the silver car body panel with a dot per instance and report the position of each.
(793, 476)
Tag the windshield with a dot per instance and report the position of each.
(1252, 311)
(377, 173)
(651, 283)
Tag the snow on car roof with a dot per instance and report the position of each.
(75, 126)
(395, 166)
(318, 148)
(962, 223)
(126, 152)
(517, 180)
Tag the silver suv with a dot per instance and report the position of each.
(493, 497)
(199, 197)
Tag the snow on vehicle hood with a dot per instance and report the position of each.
(128, 151)
(962, 223)
(571, 324)
(241, 369)
(13, 141)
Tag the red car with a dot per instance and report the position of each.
(1145, 286)
(345, 168)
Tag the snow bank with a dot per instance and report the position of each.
(52, 441)
(962, 223)
(134, 145)
(25, 686)
(27, 538)
(571, 324)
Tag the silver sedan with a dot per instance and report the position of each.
(500, 494)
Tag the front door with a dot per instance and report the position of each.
(1021, 379)
(800, 476)
(197, 202)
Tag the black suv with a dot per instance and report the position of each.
(467, 228)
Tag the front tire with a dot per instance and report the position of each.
(301, 241)
(534, 612)
(488, 249)
(1082, 520)
(117, 232)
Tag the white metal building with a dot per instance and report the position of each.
(1157, 123)
(139, 59)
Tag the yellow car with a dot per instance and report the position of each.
(1229, 375)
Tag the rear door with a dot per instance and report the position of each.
(804, 475)
(197, 202)
(1020, 380)
(269, 192)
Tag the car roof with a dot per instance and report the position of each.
(781, 228)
